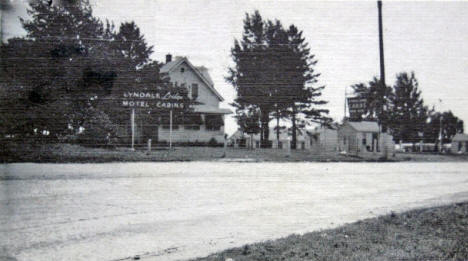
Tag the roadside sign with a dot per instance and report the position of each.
(138, 99)
(357, 107)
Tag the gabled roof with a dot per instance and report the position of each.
(203, 74)
(364, 126)
(460, 137)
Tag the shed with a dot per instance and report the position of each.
(363, 138)
(460, 143)
(323, 139)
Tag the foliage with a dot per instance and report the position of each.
(98, 129)
(274, 73)
(70, 64)
(378, 103)
(401, 109)
(408, 113)
(451, 125)
(248, 120)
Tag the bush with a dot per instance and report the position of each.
(98, 130)
(214, 143)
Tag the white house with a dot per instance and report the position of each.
(204, 124)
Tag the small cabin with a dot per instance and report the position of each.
(460, 143)
(364, 139)
(323, 139)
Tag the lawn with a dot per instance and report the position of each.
(439, 233)
(14, 152)
(76, 153)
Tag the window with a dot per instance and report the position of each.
(214, 122)
(257, 144)
(194, 91)
(364, 142)
(302, 145)
(182, 69)
(280, 145)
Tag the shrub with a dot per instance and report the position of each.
(98, 130)
(213, 143)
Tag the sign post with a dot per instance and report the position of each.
(153, 100)
(170, 129)
(132, 122)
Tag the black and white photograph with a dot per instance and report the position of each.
(233, 130)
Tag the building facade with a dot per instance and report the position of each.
(244, 140)
(323, 139)
(364, 139)
(204, 124)
(459, 143)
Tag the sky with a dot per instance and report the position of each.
(427, 37)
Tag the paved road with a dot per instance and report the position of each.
(169, 211)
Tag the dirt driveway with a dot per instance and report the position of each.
(169, 211)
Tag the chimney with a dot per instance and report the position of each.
(168, 58)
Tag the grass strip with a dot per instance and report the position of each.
(439, 233)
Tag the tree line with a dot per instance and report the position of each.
(401, 110)
(275, 78)
(65, 75)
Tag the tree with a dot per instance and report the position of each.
(248, 121)
(251, 74)
(377, 96)
(67, 67)
(132, 45)
(301, 79)
(408, 114)
(402, 110)
(274, 72)
(451, 125)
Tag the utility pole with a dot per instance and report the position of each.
(381, 46)
(132, 123)
(382, 78)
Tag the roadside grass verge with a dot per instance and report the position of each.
(64, 153)
(439, 233)
(75, 153)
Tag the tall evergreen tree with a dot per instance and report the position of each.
(251, 74)
(301, 77)
(408, 115)
(274, 72)
(377, 97)
(132, 45)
